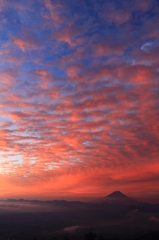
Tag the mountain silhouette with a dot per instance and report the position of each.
(117, 197)
(117, 194)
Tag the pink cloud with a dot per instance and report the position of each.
(144, 5)
(154, 219)
(27, 41)
(118, 16)
(54, 10)
(104, 48)
(71, 229)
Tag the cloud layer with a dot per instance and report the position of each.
(79, 96)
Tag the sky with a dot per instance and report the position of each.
(79, 98)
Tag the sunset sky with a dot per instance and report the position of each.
(79, 98)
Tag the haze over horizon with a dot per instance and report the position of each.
(115, 197)
(79, 99)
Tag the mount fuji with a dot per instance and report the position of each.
(117, 197)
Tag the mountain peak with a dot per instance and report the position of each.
(116, 194)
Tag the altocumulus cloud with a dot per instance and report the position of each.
(79, 96)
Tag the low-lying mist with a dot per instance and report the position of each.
(20, 219)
